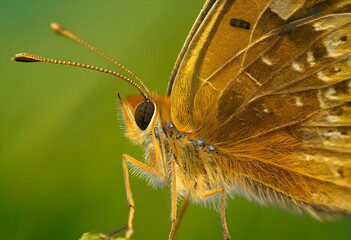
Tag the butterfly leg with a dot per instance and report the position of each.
(173, 201)
(175, 226)
(127, 158)
(221, 191)
(183, 208)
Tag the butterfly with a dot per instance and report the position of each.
(258, 105)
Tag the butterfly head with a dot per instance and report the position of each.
(142, 116)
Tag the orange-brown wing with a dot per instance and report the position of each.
(212, 42)
(231, 73)
(268, 82)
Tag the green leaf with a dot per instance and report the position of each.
(98, 236)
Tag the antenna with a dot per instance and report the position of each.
(65, 33)
(26, 57)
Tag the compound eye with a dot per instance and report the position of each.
(143, 114)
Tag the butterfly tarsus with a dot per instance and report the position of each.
(220, 190)
(112, 234)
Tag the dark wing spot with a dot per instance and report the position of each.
(144, 113)
(340, 171)
(240, 23)
(343, 38)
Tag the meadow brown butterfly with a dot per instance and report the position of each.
(258, 105)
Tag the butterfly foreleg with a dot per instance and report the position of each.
(131, 160)
(220, 190)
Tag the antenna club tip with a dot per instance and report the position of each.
(23, 57)
(56, 27)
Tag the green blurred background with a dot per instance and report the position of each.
(60, 140)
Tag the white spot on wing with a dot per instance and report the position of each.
(334, 45)
(266, 110)
(308, 157)
(298, 102)
(267, 61)
(320, 26)
(322, 76)
(334, 135)
(330, 94)
(310, 58)
(333, 119)
(320, 99)
(297, 67)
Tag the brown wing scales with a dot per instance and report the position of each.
(274, 100)
(286, 77)
(208, 50)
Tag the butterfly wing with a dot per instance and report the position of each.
(268, 84)
(206, 50)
